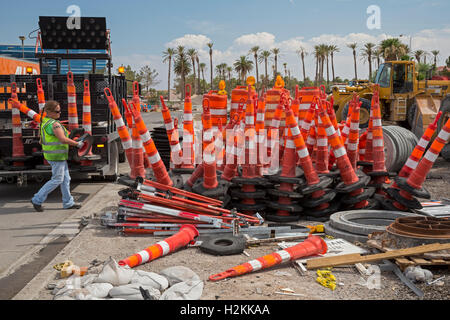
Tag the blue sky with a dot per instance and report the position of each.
(141, 30)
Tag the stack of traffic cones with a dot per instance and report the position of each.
(18, 160)
(188, 134)
(287, 208)
(250, 177)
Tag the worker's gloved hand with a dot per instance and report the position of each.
(80, 144)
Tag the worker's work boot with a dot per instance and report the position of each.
(37, 207)
(74, 206)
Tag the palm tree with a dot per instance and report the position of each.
(367, 53)
(255, 51)
(276, 52)
(353, 46)
(327, 53)
(197, 59)
(425, 55)
(167, 56)
(418, 54)
(435, 53)
(242, 66)
(264, 57)
(378, 53)
(202, 68)
(392, 49)
(192, 53)
(210, 45)
(333, 49)
(182, 67)
(229, 71)
(302, 53)
(220, 70)
(317, 57)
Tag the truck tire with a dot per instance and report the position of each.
(366, 106)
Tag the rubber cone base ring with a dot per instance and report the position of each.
(251, 181)
(183, 170)
(278, 218)
(419, 193)
(215, 193)
(323, 183)
(248, 207)
(361, 183)
(238, 193)
(287, 194)
(378, 174)
(292, 180)
(334, 207)
(177, 180)
(388, 204)
(409, 203)
(315, 202)
(293, 207)
(351, 200)
(373, 204)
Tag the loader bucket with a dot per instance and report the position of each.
(427, 107)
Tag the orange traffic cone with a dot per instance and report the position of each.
(72, 102)
(173, 243)
(353, 137)
(312, 246)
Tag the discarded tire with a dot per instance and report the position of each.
(399, 143)
(224, 246)
(329, 230)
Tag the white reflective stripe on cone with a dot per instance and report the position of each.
(290, 144)
(218, 112)
(209, 158)
(145, 137)
(137, 144)
(249, 120)
(86, 108)
(322, 142)
(330, 131)
(304, 106)
(354, 126)
(188, 138)
(41, 106)
(256, 264)
(303, 153)
(31, 113)
(208, 135)
(127, 144)
(444, 135)
(155, 159)
(175, 148)
(295, 131)
(423, 143)
(310, 140)
(376, 122)
(362, 151)
(352, 146)
(165, 247)
(187, 117)
(377, 143)
(119, 122)
(169, 126)
(285, 256)
(16, 130)
(72, 99)
(411, 163)
(276, 123)
(431, 156)
(144, 255)
(73, 120)
(346, 130)
(260, 117)
(340, 152)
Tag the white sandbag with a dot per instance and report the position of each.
(188, 290)
(99, 290)
(114, 274)
(131, 292)
(151, 279)
(179, 274)
(417, 274)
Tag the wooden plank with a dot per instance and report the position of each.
(405, 261)
(420, 261)
(355, 258)
(440, 262)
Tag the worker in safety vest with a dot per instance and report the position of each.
(55, 147)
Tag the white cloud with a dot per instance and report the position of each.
(262, 39)
(196, 41)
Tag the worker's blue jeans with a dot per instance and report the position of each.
(60, 177)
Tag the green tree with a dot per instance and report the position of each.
(210, 45)
(242, 66)
(255, 51)
(435, 54)
(197, 59)
(353, 46)
(367, 54)
(302, 53)
(392, 49)
(418, 54)
(275, 52)
(182, 67)
(168, 56)
(202, 69)
(192, 53)
(147, 76)
(264, 57)
(333, 49)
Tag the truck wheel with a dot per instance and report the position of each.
(410, 115)
(364, 114)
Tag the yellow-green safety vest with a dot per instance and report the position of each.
(52, 148)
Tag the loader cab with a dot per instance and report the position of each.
(395, 77)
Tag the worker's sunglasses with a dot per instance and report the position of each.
(59, 111)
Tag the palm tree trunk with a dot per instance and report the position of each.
(256, 65)
(193, 72)
(198, 78)
(370, 67)
(265, 68)
(332, 65)
(211, 67)
(168, 81)
(354, 58)
(304, 72)
(328, 72)
(317, 73)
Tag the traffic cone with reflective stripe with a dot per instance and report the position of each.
(312, 246)
(188, 133)
(378, 173)
(353, 137)
(362, 146)
(18, 158)
(186, 235)
(287, 208)
(72, 102)
(137, 162)
(40, 95)
(260, 133)
(86, 120)
(247, 193)
(409, 167)
(122, 129)
(412, 186)
(172, 135)
(219, 146)
(209, 186)
(319, 198)
(352, 184)
(25, 110)
(322, 156)
(230, 169)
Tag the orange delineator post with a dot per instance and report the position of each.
(209, 156)
(172, 135)
(24, 109)
(353, 137)
(72, 103)
(188, 132)
(87, 121)
(312, 246)
(17, 143)
(121, 128)
(260, 134)
(322, 156)
(179, 240)
(40, 95)
(137, 162)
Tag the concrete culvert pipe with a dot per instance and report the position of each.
(399, 144)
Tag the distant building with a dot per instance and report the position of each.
(49, 66)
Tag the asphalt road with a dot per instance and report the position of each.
(22, 229)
